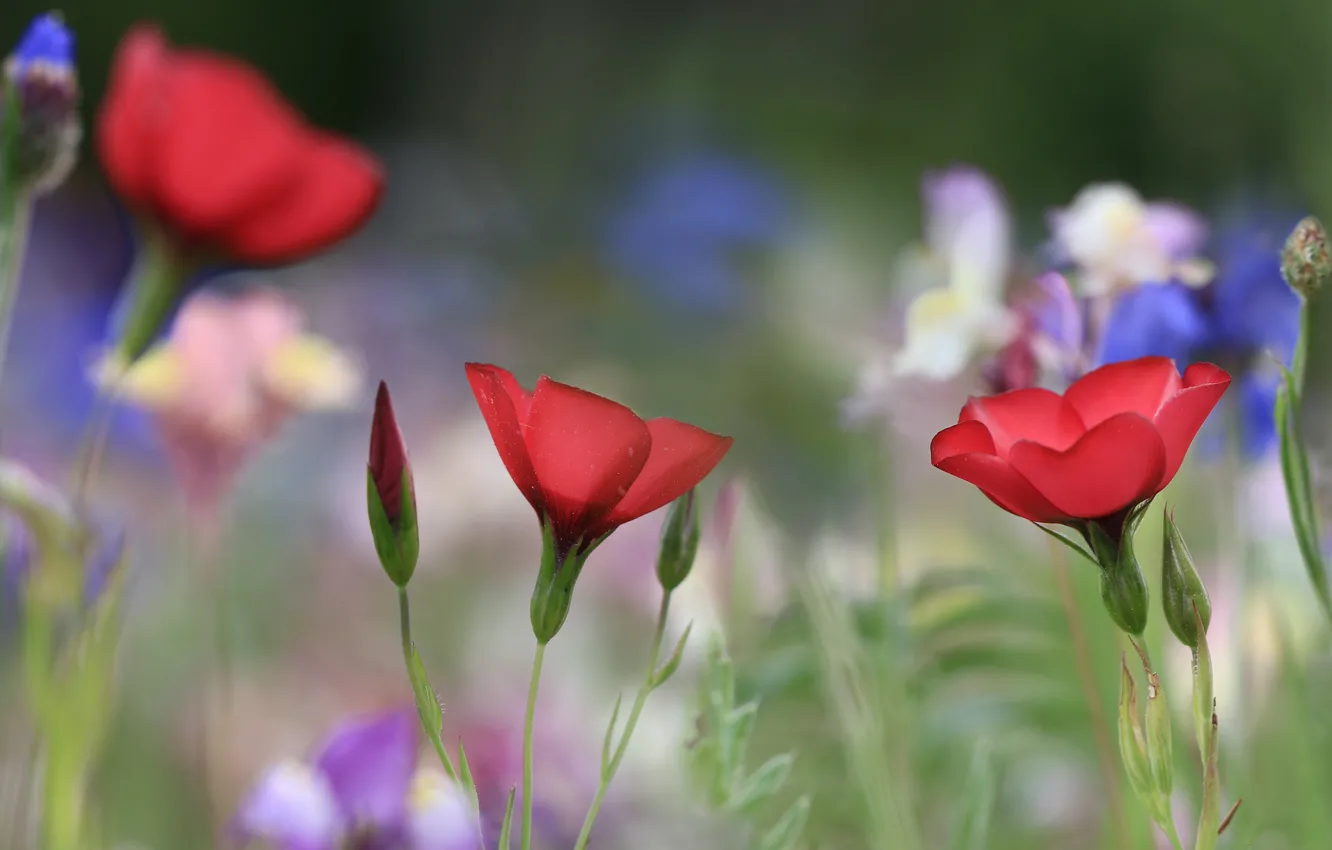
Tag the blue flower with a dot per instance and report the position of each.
(1244, 316)
(47, 42)
(677, 230)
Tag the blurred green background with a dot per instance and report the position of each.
(515, 136)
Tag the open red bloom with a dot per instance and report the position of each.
(206, 147)
(585, 463)
(1116, 438)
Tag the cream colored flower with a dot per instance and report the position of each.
(969, 241)
(1116, 240)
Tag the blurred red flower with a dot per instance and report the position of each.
(1114, 439)
(204, 146)
(585, 463)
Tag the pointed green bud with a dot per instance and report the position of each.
(390, 494)
(1182, 590)
(679, 542)
(1305, 263)
(1123, 588)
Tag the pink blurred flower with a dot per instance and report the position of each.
(232, 371)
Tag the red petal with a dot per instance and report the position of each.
(388, 454)
(1116, 464)
(681, 456)
(963, 438)
(230, 143)
(586, 450)
(1029, 414)
(127, 123)
(338, 187)
(1181, 417)
(1133, 386)
(488, 385)
(966, 451)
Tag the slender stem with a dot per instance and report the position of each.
(1105, 747)
(1173, 834)
(528, 720)
(15, 222)
(405, 622)
(92, 446)
(608, 770)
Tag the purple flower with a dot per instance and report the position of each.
(361, 789)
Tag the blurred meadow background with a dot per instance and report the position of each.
(699, 209)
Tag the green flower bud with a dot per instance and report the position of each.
(553, 594)
(1305, 263)
(1123, 588)
(1181, 588)
(679, 542)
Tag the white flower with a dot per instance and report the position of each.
(968, 234)
(1116, 240)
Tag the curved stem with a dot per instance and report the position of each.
(529, 718)
(608, 770)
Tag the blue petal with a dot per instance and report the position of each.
(1258, 393)
(47, 41)
(1153, 320)
(679, 227)
(1253, 308)
(369, 763)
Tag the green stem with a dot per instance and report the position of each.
(608, 770)
(15, 222)
(528, 720)
(1173, 834)
(405, 622)
(62, 804)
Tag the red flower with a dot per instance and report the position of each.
(586, 463)
(204, 145)
(1116, 438)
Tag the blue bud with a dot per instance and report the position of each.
(47, 42)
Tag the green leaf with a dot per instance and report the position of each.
(428, 708)
(764, 783)
(427, 701)
(660, 677)
(507, 824)
(468, 781)
(739, 730)
(973, 829)
(1299, 492)
(786, 832)
(1069, 543)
